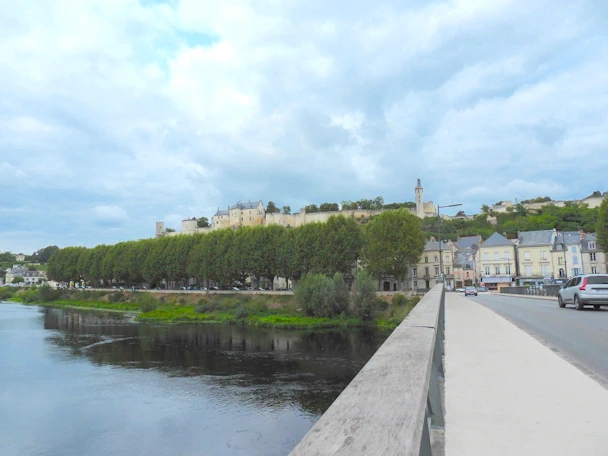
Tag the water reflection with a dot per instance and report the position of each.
(241, 390)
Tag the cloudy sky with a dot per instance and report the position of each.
(119, 113)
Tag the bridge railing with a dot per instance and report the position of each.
(546, 290)
(394, 406)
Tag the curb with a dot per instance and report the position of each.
(542, 298)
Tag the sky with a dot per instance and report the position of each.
(115, 114)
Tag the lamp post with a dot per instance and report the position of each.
(439, 230)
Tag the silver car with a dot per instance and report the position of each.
(585, 290)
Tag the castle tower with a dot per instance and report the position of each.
(419, 200)
(160, 229)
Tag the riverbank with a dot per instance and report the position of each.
(235, 309)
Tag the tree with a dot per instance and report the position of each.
(364, 295)
(348, 205)
(311, 208)
(602, 226)
(329, 207)
(286, 210)
(202, 222)
(339, 245)
(460, 214)
(169, 230)
(394, 240)
(378, 203)
(44, 255)
(18, 279)
(272, 208)
(485, 208)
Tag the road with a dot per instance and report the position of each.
(582, 336)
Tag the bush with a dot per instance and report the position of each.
(364, 295)
(321, 296)
(116, 297)
(241, 312)
(381, 304)
(147, 302)
(209, 306)
(47, 294)
(400, 300)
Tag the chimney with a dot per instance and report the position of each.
(582, 234)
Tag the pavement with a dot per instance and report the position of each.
(506, 393)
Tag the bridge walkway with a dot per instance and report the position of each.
(508, 394)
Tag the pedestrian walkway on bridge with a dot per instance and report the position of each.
(508, 394)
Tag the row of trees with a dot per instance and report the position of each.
(365, 204)
(386, 245)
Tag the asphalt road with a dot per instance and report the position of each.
(582, 336)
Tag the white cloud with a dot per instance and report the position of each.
(176, 108)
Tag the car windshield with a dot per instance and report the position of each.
(470, 288)
(598, 280)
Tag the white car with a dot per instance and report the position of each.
(459, 290)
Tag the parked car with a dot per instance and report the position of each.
(183, 288)
(191, 288)
(482, 289)
(261, 289)
(459, 290)
(236, 289)
(470, 291)
(584, 290)
(214, 288)
(203, 288)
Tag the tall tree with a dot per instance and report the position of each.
(394, 240)
(272, 208)
(202, 222)
(286, 209)
(329, 207)
(602, 226)
(339, 246)
(311, 208)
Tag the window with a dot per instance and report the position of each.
(544, 270)
(415, 284)
(575, 271)
(574, 260)
(436, 271)
(591, 246)
(528, 270)
(573, 249)
(447, 270)
(496, 256)
(487, 270)
(562, 272)
(486, 256)
(526, 256)
(426, 259)
(593, 270)
(446, 259)
(415, 272)
(592, 256)
(426, 271)
(543, 255)
(497, 270)
(507, 256)
(436, 259)
(508, 270)
(560, 260)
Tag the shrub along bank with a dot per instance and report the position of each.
(258, 310)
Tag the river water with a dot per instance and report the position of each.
(77, 382)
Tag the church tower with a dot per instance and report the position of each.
(419, 200)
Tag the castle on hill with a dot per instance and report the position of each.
(254, 214)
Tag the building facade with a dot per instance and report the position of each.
(427, 273)
(29, 277)
(495, 259)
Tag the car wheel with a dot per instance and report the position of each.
(596, 306)
(578, 303)
(560, 302)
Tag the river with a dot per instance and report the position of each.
(78, 382)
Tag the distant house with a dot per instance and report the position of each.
(29, 277)
(20, 257)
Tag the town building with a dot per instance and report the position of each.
(427, 273)
(29, 277)
(496, 262)
(593, 258)
(465, 271)
(534, 257)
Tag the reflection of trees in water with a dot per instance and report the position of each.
(308, 368)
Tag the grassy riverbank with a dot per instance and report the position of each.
(239, 308)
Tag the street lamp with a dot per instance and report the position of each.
(439, 229)
(565, 249)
